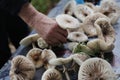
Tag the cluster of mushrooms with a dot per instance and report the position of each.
(90, 32)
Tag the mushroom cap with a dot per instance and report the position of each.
(110, 9)
(35, 56)
(69, 7)
(82, 11)
(96, 69)
(88, 24)
(79, 58)
(98, 45)
(47, 55)
(60, 61)
(77, 37)
(105, 30)
(90, 5)
(42, 43)
(66, 21)
(71, 45)
(29, 39)
(21, 68)
(51, 74)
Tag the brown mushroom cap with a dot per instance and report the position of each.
(96, 69)
(21, 68)
(35, 56)
(51, 74)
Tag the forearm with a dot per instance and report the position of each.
(30, 15)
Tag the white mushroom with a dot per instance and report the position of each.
(21, 68)
(82, 11)
(71, 45)
(47, 55)
(29, 39)
(88, 25)
(60, 61)
(69, 7)
(35, 56)
(79, 58)
(98, 45)
(67, 22)
(42, 43)
(77, 37)
(90, 5)
(110, 9)
(51, 74)
(105, 30)
(96, 69)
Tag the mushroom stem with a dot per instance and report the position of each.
(33, 45)
(66, 73)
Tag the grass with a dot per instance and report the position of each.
(44, 6)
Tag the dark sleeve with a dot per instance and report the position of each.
(12, 6)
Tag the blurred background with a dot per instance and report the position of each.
(44, 6)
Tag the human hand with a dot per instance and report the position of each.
(49, 30)
(46, 27)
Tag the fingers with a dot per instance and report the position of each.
(62, 31)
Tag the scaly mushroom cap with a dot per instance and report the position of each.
(35, 56)
(105, 30)
(48, 55)
(66, 21)
(96, 69)
(82, 11)
(69, 7)
(42, 43)
(88, 24)
(77, 37)
(21, 68)
(29, 39)
(51, 74)
(110, 9)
